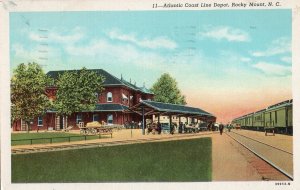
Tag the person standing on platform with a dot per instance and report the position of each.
(221, 127)
(229, 127)
(172, 129)
(180, 127)
(158, 128)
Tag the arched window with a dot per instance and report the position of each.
(109, 97)
(40, 121)
(78, 118)
(95, 117)
(110, 119)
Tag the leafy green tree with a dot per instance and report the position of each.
(28, 97)
(167, 91)
(76, 91)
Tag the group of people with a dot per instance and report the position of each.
(153, 128)
(184, 128)
(213, 126)
(156, 127)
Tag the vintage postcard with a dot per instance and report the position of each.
(149, 94)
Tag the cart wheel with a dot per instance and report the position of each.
(93, 131)
(88, 131)
(82, 131)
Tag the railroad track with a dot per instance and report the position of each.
(281, 160)
(100, 144)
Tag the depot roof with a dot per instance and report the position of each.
(110, 80)
(152, 107)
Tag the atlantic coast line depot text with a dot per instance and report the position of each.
(218, 5)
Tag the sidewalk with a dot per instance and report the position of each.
(228, 162)
(121, 135)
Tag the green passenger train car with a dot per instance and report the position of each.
(259, 120)
(278, 116)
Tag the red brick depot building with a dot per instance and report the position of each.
(112, 106)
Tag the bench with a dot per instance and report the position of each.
(105, 131)
(270, 130)
(68, 128)
(203, 129)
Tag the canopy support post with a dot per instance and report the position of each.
(170, 119)
(158, 118)
(143, 113)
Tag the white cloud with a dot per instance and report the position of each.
(279, 46)
(55, 37)
(245, 59)
(46, 57)
(155, 43)
(286, 59)
(225, 33)
(119, 53)
(273, 69)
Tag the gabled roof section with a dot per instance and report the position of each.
(110, 107)
(110, 80)
(175, 108)
(146, 90)
(147, 107)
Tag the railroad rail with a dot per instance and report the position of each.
(99, 144)
(279, 159)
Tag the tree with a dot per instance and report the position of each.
(28, 97)
(76, 91)
(166, 90)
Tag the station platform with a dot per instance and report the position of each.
(284, 142)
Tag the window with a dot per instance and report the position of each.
(257, 118)
(78, 118)
(95, 117)
(124, 98)
(110, 119)
(40, 121)
(109, 97)
(275, 116)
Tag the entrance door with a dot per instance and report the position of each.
(61, 122)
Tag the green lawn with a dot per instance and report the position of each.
(172, 161)
(36, 136)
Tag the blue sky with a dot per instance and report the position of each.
(246, 54)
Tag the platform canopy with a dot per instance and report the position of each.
(148, 107)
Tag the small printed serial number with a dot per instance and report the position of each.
(282, 183)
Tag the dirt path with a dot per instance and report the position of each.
(228, 162)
